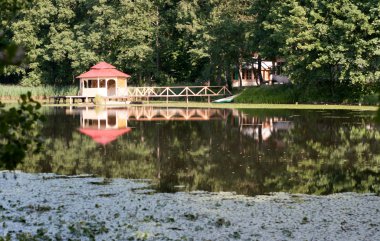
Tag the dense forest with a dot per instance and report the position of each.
(193, 41)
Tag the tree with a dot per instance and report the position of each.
(18, 126)
(263, 40)
(10, 53)
(64, 38)
(323, 40)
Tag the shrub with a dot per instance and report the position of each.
(274, 94)
(19, 131)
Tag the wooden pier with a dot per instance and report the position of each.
(72, 99)
(140, 93)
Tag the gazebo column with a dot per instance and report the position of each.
(126, 86)
(116, 88)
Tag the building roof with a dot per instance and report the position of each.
(104, 136)
(103, 69)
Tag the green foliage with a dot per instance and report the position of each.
(63, 38)
(311, 92)
(378, 112)
(10, 53)
(329, 47)
(19, 132)
(324, 40)
(277, 94)
(370, 99)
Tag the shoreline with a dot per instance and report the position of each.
(86, 208)
(223, 106)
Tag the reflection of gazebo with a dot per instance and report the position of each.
(104, 136)
(104, 126)
(103, 79)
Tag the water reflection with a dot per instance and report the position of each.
(250, 152)
(101, 124)
(104, 126)
(262, 128)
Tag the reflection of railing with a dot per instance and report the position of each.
(178, 91)
(149, 113)
(187, 114)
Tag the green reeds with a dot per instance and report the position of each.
(39, 92)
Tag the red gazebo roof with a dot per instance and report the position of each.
(103, 69)
(104, 136)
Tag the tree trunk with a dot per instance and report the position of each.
(273, 70)
(259, 74)
(228, 77)
(255, 75)
(240, 74)
(157, 44)
(219, 76)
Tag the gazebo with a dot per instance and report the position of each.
(103, 79)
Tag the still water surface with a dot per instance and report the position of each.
(245, 151)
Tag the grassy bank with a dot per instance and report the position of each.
(265, 97)
(292, 94)
(13, 92)
(263, 106)
(182, 104)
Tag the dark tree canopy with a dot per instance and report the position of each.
(170, 41)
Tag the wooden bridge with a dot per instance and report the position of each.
(147, 93)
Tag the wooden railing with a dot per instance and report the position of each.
(154, 92)
(178, 91)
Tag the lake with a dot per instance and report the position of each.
(250, 151)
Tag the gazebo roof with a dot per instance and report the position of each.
(103, 65)
(104, 136)
(103, 69)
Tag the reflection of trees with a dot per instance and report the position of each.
(82, 155)
(212, 156)
(319, 155)
(349, 161)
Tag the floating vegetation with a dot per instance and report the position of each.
(107, 195)
(105, 181)
(67, 176)
(44, 211)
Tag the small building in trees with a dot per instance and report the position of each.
(103, 79)
(248, 72)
